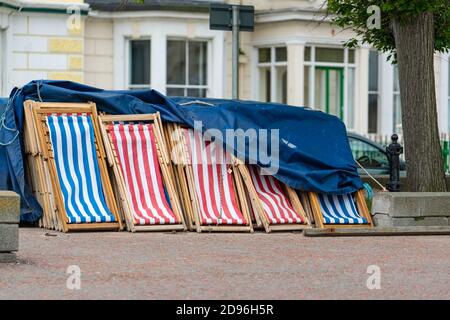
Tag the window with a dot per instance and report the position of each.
(139, 73)
(272, 70)
(330, 81)
(373, 91)
(187, 68)
(368, 155)
(397, 125)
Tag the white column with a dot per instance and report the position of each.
(159, 61)
(295, 72)
(443, 93)
(216, 62)
(386, 88)
(361, 107)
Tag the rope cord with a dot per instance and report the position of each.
(3, 121)
(371, 177)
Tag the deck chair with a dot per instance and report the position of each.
(71, 144)
(276, 206)
(137, 152)
(211, 187)
(38, 174)
(340, 211)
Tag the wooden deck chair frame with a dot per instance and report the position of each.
(40, 111)
(38, 174)
(361, 206)
(260, 216)
(186, 187)
(164, 162)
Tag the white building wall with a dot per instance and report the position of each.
(98, 53)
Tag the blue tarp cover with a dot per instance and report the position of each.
(314, 154)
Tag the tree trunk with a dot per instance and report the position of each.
(414, 40)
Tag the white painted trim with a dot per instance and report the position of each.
(46, 5)
(158, 67)
(299, 15)
(361, 99)
(345, 106)
(386, 96)
(444, 96)
(217, 66)
(320, 42)
(255, 74)
(154, 14)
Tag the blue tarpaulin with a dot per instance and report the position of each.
(314, 154)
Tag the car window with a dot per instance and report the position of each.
(368, 155)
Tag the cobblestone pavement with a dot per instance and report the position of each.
(225, 266)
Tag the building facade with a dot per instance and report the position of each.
(295, 55)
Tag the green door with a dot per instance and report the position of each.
(329, 89)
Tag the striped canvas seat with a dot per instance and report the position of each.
(72, 139)
(339, 209)
(276, 205)
(135, 147)
(213, 182)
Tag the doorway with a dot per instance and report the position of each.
(330, 90)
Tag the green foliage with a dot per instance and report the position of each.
(353, 14)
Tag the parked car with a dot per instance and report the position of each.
(371, 155)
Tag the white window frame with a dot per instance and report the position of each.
(377, 93)
(187, 86)
(273, 64)
(445, 88)
(395, 94)
(128, 68)
(345, 65)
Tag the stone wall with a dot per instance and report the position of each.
(44, 47)
(9, 225)
(401, 209)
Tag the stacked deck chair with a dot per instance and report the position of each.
(38, 173)
(210, 183)
(142, 172)
(275, 205)
(70, 142)
(340, 211)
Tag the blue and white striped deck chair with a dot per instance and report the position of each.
(70, 139)
(348, 210)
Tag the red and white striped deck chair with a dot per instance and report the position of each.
(137, 152)
(275, 205)
(215, 187)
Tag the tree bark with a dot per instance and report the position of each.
(414, 40)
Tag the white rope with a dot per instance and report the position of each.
(371, 177)
(3, 121)
(197, 102)
(38, 91)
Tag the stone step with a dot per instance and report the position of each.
(378, 231)
(9, 207)
(9, 237)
